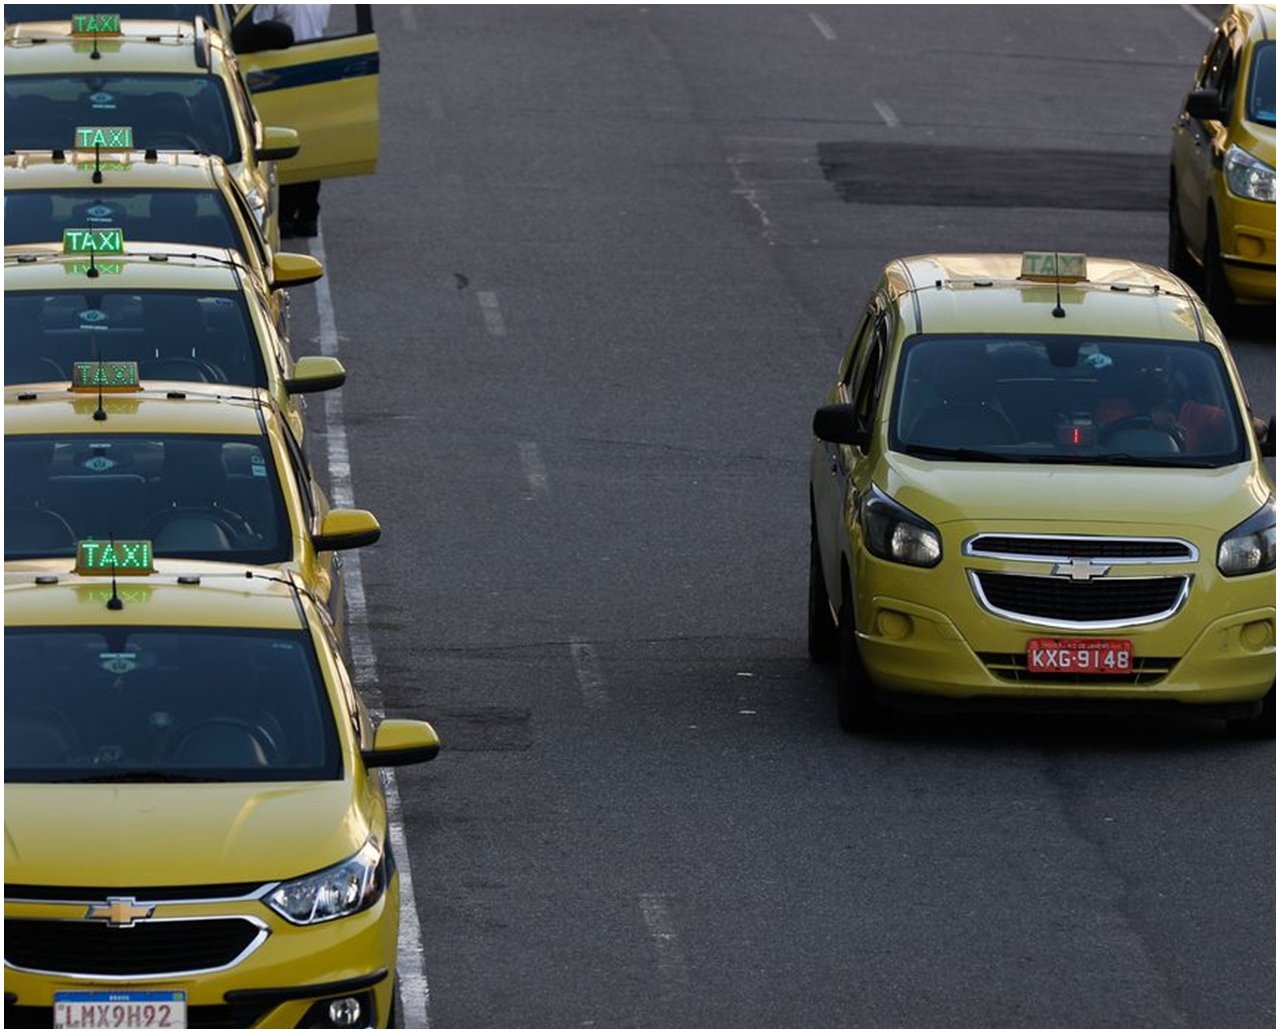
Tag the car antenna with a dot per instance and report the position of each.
(115, 602)
(97, 163)
(1058, 311)
(95, 56)
(100, 413)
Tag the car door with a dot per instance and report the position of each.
(326, 88)
(1196, 143)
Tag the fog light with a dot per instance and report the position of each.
(1249, 246)
(344, 1012)
(1257, 635)
(892, 624)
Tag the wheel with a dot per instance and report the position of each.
(1217, 292)
(1180, 263)
(823, 641)
(856, 703)
(1262, 725)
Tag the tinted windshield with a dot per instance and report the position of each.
(202, 336)
(178, 216)
(1262, 85)
(164, 704)
(63, 12)
(1063, 399)
(193, 496)
(167, 112)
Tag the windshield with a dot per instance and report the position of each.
(146, 704)
(1065, 399)
(1262, 85)
(178, 216)
(201, 336)
(14, 13)
(166, 112)
(196, 496)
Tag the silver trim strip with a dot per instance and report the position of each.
(1043, 622)
(967, 549)
(264, 931)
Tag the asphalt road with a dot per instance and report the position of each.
(588, 305)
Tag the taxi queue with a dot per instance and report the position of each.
(173, 586)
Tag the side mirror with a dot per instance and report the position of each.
(313, 373)
(1205, 105)
(346, 529)
(292, 270)
(400, 741)
(839, 425)
(278, 144)
(1266, 435)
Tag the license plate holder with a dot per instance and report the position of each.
(120, 1009)
(1101, 656)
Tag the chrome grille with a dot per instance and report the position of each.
(1066, 547)
(1060, 602)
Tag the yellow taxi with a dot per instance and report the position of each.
(1222, 172)
(164, 197)
(181, 312)
(1037, 476)
(196, 832)
(220, 16)
(204, 473)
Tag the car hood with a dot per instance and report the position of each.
(176, 835)
(1258, 140)
(1083, 499)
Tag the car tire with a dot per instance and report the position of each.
(1261, 725)
(858, 708)
(1217, 292)
(823, 639)
(1180, 263)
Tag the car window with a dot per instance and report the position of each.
(1215, 59)
(867, 381)
(857, 346)
(143, 704)
(166, 112)
(199, 496)
(199, 336)
(1260, 105)
(179, 216)
(14, 13)
(1057, 399)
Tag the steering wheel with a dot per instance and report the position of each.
(261, 738)
(235, 526)
(1139, 422)
(181, 367)
(173, 139)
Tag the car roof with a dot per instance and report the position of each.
(135, 170)
(983, 293)
(47, 48)
(208, 595)
(166, 408)
(144, 265)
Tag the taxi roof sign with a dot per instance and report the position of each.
(130, 557)
(95, 24)
(1054, 267)
(120, 137)
(93, 375)
(87, 241)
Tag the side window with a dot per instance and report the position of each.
(857, 348)
(255, 234)
(866, 392)
(301, 472)
(1215, 59)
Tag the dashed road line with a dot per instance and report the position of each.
(662, 930)
(411, 968)
(492, 313)
(820, 23)
(410, 17)
(886, 113)
(534, 470)
(1198, 16)
(590, 675)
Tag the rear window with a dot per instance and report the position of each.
(195, 496)
(200, 336)
(167, 112)
(145, 704)
(177, 216)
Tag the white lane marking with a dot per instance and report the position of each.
(590, 676)
(1198, 16)
(534, 470)
(491, 312)
(411, 968)
(752, 196)
(410, 17)
(886, 113)
(820, 23)
(657, 919)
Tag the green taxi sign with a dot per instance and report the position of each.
(122, 557)
(1054, 267)
(95, 24)
(109, 241)
(120, 137)
(94, 375)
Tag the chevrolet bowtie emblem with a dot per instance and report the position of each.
(120, 912)
(1080, 570)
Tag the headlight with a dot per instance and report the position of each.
(893, 532)
(1249, 177)
(1250, 547)
(336, 892)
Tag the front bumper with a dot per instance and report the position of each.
(1248, 234)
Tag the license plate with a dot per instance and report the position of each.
(120, 1009)
(1080, 655)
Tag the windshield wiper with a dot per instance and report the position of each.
(972, 454)
(143, 776)
(1128, 459)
